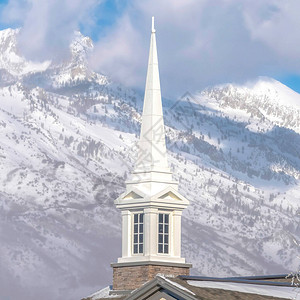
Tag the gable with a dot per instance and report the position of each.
(159, 293)
(169, 195)
(162, 295)
(161, 288)
(132, 195)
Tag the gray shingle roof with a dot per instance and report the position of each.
(194, 287)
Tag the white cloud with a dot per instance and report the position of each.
(200, 42)
(120, 53)
(203, 42)
(14, 11)
(47, 25)
(276, 23)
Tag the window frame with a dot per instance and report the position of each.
(138, 233)
(163, 243)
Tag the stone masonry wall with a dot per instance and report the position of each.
(132, 277)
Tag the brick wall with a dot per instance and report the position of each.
(132, 277)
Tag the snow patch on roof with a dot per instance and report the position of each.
(104, 293)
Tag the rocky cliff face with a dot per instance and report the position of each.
(68, 142)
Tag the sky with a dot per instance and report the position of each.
(200, 42)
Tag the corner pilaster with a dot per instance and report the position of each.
(150, 231)
(126, 236)
(177, 233)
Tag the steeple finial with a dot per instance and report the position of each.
(153, 30)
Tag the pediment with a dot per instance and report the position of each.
(169, 195)
(132, 195)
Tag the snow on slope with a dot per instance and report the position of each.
(277, 91)
(67, 145)
(266, 99)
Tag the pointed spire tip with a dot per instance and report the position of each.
(153, 30)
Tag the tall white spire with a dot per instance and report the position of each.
(152, 155)
(151, 201)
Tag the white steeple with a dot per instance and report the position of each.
(152, 148)
(152, 164)
(151, 205)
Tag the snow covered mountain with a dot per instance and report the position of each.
(68, 142)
